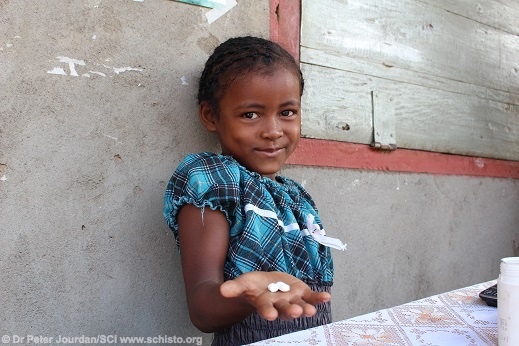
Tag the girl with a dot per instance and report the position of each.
(239, 226)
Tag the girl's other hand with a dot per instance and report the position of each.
(299, 301)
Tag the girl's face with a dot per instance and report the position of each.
(259, 120)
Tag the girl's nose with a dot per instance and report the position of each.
(272, 129)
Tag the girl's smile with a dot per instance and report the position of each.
(271, 152)
(259, 119)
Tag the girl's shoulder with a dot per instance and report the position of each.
(205, 159)
(203, 179)
(209, 165)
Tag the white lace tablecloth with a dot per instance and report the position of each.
(457, 318)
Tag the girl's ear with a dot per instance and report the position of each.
(207, 116)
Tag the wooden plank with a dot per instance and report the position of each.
(499, 14)
(426, 119)
(383, 112)
(345, 63)
(322, 153)
(414, 36)
(334, 107)
(437, 121)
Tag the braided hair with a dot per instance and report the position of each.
(238, 56)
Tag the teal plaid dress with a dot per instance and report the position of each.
(265, 217)
(267, 220)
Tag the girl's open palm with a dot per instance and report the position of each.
(252, 286)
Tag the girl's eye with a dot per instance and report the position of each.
(250, 115)
(287, 113)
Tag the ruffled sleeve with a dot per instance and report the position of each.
(203, 180)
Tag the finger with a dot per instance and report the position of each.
(316, 298)
(288, 311)
(267, 310)
(308, 309)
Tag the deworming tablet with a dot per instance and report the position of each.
(273, 287)
(283, 287)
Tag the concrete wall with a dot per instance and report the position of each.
(97, 107)
(411, 235)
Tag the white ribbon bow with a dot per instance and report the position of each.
(312, 229)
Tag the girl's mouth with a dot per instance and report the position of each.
(270, 152)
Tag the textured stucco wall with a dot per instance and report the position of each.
(84, 160)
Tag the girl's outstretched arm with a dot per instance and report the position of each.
(213, 305)
(204, 242)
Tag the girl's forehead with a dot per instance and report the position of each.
(262, 89)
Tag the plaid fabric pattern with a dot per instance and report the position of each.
(265, 217)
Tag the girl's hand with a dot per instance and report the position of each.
(299, 301)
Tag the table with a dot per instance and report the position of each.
(457, 318)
